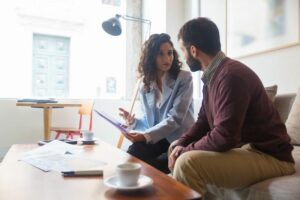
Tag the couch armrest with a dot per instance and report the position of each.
(283, 104)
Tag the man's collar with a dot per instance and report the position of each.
(211, 68)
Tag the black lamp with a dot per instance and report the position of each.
(113, 26)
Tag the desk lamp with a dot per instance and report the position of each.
(113, 26)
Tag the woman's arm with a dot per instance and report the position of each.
(176, 115)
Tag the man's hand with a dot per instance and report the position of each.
(173, 156)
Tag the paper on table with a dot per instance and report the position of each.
(59, 156)
(113, 121)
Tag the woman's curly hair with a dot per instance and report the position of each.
(147, 65)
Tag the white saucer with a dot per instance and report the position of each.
(113, 182)
(88, 141)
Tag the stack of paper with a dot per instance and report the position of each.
(59, 156)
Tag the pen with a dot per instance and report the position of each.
(83, 173)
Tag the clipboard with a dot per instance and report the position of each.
(113, 121)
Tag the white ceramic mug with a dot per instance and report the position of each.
(128, 173)
(87, 135)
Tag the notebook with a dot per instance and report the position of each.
(37, 100)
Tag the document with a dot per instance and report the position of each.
(113, 121)
(59, 156)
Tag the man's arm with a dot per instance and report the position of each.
(230, 106)
(197, 131)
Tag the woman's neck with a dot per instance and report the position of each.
(159, 78)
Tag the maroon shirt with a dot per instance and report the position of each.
(236, 110)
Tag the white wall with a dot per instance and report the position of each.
(279, 67)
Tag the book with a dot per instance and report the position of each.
(113, 121)
(36, 100)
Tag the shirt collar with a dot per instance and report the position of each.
(211, 68)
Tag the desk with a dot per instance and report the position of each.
(47, 107)
(20, 180)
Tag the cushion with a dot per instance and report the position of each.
(271, 92)
(293, 121)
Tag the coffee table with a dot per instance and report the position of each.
(19, 180)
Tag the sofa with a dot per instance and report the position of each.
(279, 188)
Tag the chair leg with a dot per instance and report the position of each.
(68, 135)
(120, 141)
(57, 135)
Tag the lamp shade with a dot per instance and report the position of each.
(112, 26)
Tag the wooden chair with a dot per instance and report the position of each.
(85, 110)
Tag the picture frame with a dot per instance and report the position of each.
(257, 26)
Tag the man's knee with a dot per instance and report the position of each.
(182, 160)
(192, 162)
(186, 170)
(184, 164)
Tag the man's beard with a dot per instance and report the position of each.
(193, 64)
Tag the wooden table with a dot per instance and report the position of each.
(19, 180)
(47, 107)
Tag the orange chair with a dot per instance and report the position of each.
(85, 109)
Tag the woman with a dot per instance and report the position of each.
(166, 101)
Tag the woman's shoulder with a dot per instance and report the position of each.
(183, 74)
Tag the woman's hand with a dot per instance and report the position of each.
(126, 116)
(173, 156)
(135, 137)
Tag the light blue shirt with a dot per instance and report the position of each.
(174, 114)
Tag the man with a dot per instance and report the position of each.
(238, 138)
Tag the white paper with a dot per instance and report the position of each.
(59, 156)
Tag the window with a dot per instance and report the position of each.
(57, 48)
(50, 66)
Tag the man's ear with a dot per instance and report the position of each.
(193, 51)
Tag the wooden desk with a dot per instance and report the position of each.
(19, 180)
(47, 107)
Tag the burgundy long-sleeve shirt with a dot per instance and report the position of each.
(236, 110)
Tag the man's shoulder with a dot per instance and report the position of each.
(235, 67)
(229, 62)
(236, 73)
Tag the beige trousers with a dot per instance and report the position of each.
(233, 169)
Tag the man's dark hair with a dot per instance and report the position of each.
(203, 34)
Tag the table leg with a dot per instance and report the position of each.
(47, 122)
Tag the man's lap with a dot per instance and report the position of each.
(236, 168)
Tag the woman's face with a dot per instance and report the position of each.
(165, 57)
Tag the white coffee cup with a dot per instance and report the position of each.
(87, 135)
(128, 173)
